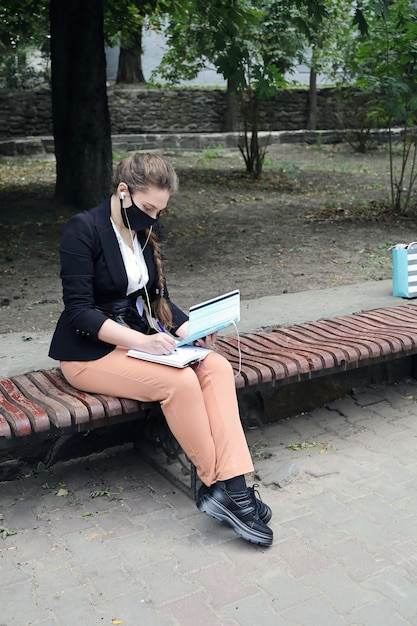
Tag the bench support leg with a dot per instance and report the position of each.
(158, 447)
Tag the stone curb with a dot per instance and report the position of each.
(44, 145)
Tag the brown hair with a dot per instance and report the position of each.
(139, 172)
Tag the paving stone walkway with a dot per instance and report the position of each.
(106, 540)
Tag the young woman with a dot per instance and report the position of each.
(112, 277)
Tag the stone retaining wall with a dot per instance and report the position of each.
(142, 110)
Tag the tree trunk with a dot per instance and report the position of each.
(312, 101)
(80, 114)
(130, 62)
(230, 117)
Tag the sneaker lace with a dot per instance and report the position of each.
(244, 500)
(255, 497)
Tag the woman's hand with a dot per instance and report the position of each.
(118, 335)
(206, 342)
(203, 342)
(160, 343)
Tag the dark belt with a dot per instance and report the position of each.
(124, 312)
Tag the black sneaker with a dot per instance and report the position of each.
(239, 511)
(264, 511)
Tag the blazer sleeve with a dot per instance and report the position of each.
(79, 249)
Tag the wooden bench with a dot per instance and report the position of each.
(306, 351)
(40, 406)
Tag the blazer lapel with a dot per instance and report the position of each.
(111, 250)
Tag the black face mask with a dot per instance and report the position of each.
(136, 219)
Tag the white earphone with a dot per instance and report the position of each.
(122, 195)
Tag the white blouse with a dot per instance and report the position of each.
(134, 261)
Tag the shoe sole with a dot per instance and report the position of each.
(211, 507)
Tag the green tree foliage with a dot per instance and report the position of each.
(383, 65)
(222, 31)
(23, 22)
(251, 48)
(123, 25)
(24, 28)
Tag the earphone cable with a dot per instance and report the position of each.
(239, 351)
(122, 206)
(150, 320)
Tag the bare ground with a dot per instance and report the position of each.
(316, 219)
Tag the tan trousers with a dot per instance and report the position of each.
(199, 403)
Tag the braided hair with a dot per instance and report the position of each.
(140, 171)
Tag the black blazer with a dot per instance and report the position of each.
(93, 273)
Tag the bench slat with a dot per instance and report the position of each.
(18, 421)
(323, 337)
(5, 430)
(252, 375)
(249, 373)
(266, 345)
(351, 343)
(406, 314)
(281, 347)
(94, 406)
(77, 409)
(130, 406)
(276, 366)
(36, 414)
(252, 372)
(399, 339)
(401, 334)
(321, 358)
(297, 335)
(288, 338)
(112, 406)
(261, 349)
(268, 368)
(58, 414)
(369, 331)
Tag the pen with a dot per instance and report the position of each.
(162, 329)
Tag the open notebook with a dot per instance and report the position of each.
(205, 318)
(212, 315)
(181, 357)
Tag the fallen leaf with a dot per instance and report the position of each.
(6, 532)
